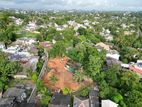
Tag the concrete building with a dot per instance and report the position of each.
(108, 103)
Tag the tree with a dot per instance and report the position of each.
(84, 92)
(133, 98)
(117, 97)
(58, 49)
(73, 54)
(82, 31)
(112, 77)
(93, 61)
(7, 70)
(66, 91)
(34, 77)
(129, 81)
(44, 92)
(7, 34)
(79, 76)
(124, 84)
(104, 89)
(53, 79)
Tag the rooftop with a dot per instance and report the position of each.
(13, 92)
(59, 100)
(6, 102)
(81, 102)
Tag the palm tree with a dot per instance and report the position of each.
(53, 79)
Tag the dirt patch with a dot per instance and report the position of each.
(64, 78)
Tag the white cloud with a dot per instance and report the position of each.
(72, 4)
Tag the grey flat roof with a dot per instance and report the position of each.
(59, 99)
(6, 102)
(13, 92)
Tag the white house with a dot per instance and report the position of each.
(12, 49)
(26, 54)
(31, 26)
(107, 34)
(25, 41)
(113, 54)
(17, 21)
(108, 103)
(125, 65)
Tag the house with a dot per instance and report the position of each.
(112, 61)
(127, 33)
(31, 26)
(109, 37)
(17, 93)
(125, 66)
(7, 102)
(21, 75)
(59, 100)
(106, 33)
(25, 41)
(102, 45)
(10, 102)
(25, 104)
(46, 44)
(18, 56)
(17, 21)
(12, 49)
(94, 98)
(92, 101)
(53, 41)
(124, 26)
(108, 103)
(137, 67)
(81, 102)
(113, 54)
(24, 53)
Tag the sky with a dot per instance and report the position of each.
(124, 5)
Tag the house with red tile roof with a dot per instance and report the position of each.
(137, 67)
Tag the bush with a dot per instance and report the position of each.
(84, 92)
(66, 91)
(34, 77)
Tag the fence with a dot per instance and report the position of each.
(33, 93)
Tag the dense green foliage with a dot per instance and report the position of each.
(7, 70)
(7, 30)
(125, 85)
(84, 92)
(44, 92)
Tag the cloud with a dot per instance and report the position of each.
(72, 4)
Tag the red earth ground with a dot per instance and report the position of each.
(64, 77)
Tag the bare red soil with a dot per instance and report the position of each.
(64, 77)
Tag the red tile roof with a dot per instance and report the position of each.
(137, 70)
